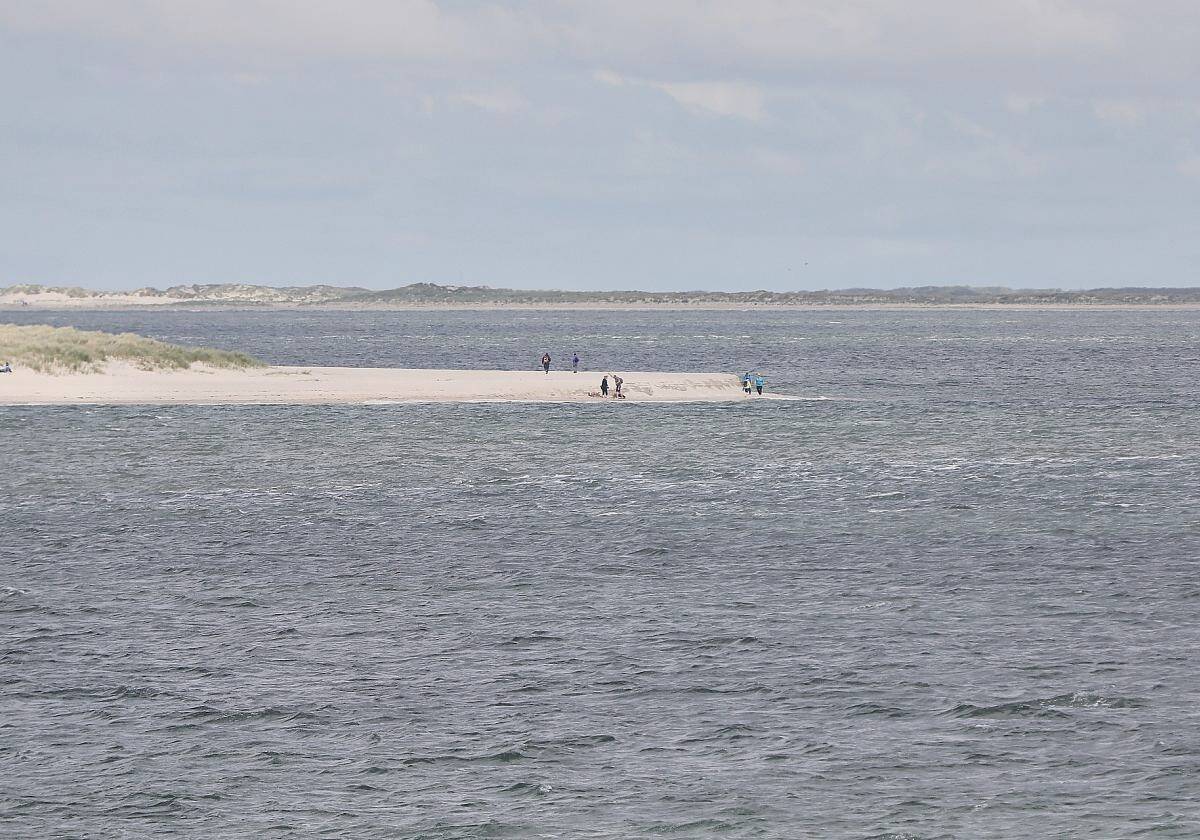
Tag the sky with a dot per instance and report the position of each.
(650, 144)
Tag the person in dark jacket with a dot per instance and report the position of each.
(546, 362)
(604, 387)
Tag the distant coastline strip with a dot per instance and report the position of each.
(434, 295)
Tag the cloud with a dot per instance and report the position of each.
(1190, 167)
(1120, 112)
(999, 160)
(708, 118)
(611, 78)
(776, 162)
(766, 34)
(982, 154)
(254, 30)
(629, 32)
(495, 101)
(723, 99)
(1023, 103)
(1103, 46)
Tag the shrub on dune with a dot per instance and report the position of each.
(66, 349)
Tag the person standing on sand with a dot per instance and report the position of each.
(604, 387)
(746, 382)
(575, 363)
(759, 382)
(618, 382)
(546, 362)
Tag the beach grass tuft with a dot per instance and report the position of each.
(68, 350)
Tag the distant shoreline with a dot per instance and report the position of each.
(433, 297)
(95, 305)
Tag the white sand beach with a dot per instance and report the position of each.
(122, 383)
(62, 300)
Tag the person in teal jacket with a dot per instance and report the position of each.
(759, 382)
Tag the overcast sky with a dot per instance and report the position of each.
(658, 144)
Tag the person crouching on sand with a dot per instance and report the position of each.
(546, 362)
(604, 387)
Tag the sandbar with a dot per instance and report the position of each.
(123, 384)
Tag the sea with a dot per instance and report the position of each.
(949, 590)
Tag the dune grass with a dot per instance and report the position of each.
(66, 350)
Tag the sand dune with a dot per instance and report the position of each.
(62, 300)
(124, 384)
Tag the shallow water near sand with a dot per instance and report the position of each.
(952, 592)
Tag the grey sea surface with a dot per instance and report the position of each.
(951, 592)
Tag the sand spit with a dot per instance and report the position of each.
(121, 384)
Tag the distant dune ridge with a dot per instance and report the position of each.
(434, 295)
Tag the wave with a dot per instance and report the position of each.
(1045, 706)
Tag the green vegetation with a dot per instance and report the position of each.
(66, 349)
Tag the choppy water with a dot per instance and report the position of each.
(957, 598)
